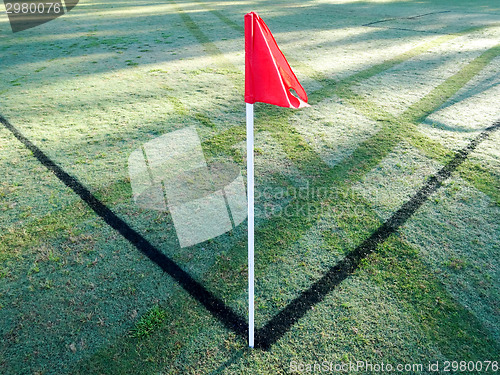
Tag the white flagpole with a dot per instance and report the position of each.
(250, 192)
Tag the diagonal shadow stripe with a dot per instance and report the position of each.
(286, 318)
(214, 305)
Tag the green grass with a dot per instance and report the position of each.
(149, 322)
(76, 298)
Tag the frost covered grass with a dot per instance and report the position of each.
(396, 88)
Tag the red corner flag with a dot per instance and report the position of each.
(268, 77)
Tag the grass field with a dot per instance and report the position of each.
(397, 89)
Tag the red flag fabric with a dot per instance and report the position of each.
(268, 76)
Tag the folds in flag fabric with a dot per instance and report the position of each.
(268, 76)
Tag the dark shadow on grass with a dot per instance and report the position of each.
(234, 358)
(286, 318)
(214, 305)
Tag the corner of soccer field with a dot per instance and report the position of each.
(377, 217)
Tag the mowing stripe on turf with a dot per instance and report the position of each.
(213, 304)
(405, 125)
